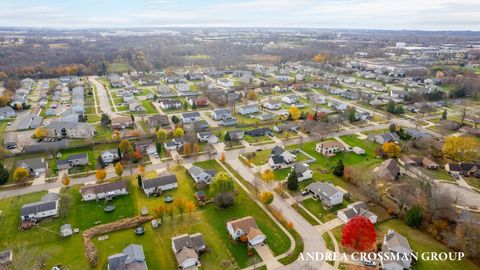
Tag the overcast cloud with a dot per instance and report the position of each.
(366, 14)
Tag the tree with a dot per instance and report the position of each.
(468, 235)
(461, 148)
(414, 216)
(100, 175)
(358, 234)
(118, 169)
(266, 197)
(392, 128)
(178, 132)
(40, 133)
(175, 119)
(292, 181)
(139, 180)
(294, 112)
(251, 95)
(339, 168)
(391, 149)
(159, 212)
(351, 113)
(399, 109)
(268, 176)
(444, 115)
(187, 149)
(4, 174)
(66, 180)
(227, 136)
(20, 173)
(190, 206)
(222, 182)
(105, 120)
(320, 58)
(132, 117)
(161, 135)
(158, 146)
(224, 199)
(180, 204)
(391, 106)
(125, 146)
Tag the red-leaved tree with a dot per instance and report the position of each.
(358, 234)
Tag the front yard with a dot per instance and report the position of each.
(316, 208)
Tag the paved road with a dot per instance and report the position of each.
(103, 96)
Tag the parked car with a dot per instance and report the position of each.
(369, 263)
(305, 192)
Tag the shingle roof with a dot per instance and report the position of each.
(36, 207)
(100, 188)
(160, 181)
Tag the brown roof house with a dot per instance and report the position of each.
(329, 148)
(246, 226)
(388, 170)
(187, 249)
(122, 122)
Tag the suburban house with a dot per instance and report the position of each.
(48, 206)
(228, 122)
(199, 102)
(258, 132)
(225, 83)
(132, 257)
(282, 77)
(187, 249)
(465, 169)
(103, 190)
(182, 87)
(157, 185)
(417, 134)
(109, 156)
(280, 157)
(159, 120)
(248, 109)
(395, 243)
(329, 148)
(200, 175)
(388, 170)
(302, 171)
(337, 105)
(429, 164)
(286, 127)
(57, 129)
(170, 104)
(207, 136)
(266, 117)
(221, 114)
(190, 117)
(200, 125)
(291, 99)
(235, 134)
(272, 105)
(384, 137)
(35, 166)
(135, 106)
(72, 161)
(327, 193)
(174, 144)
(246, 227)
(356, 209)
(6, 112)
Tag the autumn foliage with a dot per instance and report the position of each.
(358, 234)
(391, 149)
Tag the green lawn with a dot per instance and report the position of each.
(422, 242)
(258, 158)
(316, 208)
(282, 173)
(259, 139)
(103, 133)
(149, 106)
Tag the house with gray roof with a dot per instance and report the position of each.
(384, 137)
(200, 175)
(187, 249)
(7, 112)
(221, 114)
(159, 120)
(29, 122)
(48, 206)
(72, 161)
(103, 190)
(229, 122)
(356, 209)
(190, 117)
(131, 258)
(58, 129)
(35, 166)
(236, 134)
(158, 184)
(248, 109)
(302, 170)
(285, 127)
(327, 193)
(6, 257)
(395, 243)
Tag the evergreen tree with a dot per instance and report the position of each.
(4, 174)
(399, 109)
(414, 216)
(391, 107)
(139, 180)
(292, 181)
(338, 170)
(444, 115)
(175, 119)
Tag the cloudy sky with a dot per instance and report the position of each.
(366, 14)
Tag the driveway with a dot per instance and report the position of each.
(267, 257)
(329, 225)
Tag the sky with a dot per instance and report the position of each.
(351, 14)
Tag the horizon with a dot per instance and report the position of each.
(410, 15)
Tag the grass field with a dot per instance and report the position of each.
(316, 208)
(149, 106)
(120, 66)
(259, 139)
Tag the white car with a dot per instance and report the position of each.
(367, 262)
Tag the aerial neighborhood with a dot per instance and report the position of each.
(186, 158)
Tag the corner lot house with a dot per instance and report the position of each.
(327, 193)
(246, 226)
(48, 206)
(103, 190)
(329, 148)
(302, 171)
(356, 209)
(132, 257)
(280, 157)
(200, 175)
(187, 249)
(396, 243)
(159, 184)
(159, 120)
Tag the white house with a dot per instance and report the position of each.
(329, 148)
(248, 109)
(225, 83)
(327, 193)
(157, 185)
(182, 87)
(200, 175)
(272, 105)
(190, 117)
(221, 114)
(109, 156)
(282, 77)
(246, 226)
(280, 157)
(302, 171)
(356, 209)
(291, 99)
(104, 190)
(395, 243)
(48, 206)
